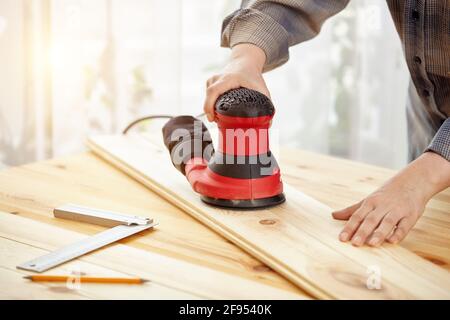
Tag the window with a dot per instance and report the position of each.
(74, 68)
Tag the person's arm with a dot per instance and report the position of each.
(260, 34)
(243, 70)
(390, 212)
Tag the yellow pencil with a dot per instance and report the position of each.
(50, 278)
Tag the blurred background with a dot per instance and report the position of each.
(72, 68)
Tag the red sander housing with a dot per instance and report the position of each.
(242, 173)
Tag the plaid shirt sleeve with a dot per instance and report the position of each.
(276, 25)
(441, 141)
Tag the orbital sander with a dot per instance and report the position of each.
(242, 173)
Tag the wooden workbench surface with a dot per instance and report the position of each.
(182, 258)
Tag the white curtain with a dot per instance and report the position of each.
(71, 68)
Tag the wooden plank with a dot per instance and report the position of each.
(339, 183)
(191, 279)
(297, 239)
(33, 190)
(14, 286)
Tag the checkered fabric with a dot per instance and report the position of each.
(441, 141)
(423, 27)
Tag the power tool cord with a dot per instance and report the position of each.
(159, 116)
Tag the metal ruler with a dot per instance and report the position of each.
(123, 226)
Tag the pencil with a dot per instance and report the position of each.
(53, 278)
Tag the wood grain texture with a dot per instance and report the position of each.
(32, 191)
(14, 286)
(298, 239)
(339, 183)
(178, 279)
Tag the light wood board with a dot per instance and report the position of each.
(297, 239)
(14, 286)
(22, 239)
(32, 191)
(340, 183)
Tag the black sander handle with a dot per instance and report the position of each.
(244, 103)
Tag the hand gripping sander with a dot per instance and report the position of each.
(242, 173)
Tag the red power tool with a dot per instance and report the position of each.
(242, 173)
